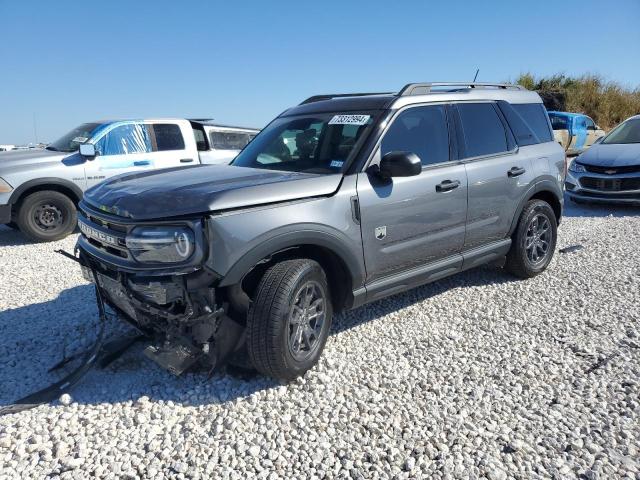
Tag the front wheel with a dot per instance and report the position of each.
(47, 216)
(534, 240)
(289, 319)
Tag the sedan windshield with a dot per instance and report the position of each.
(316, 143)
(70, 141)
(626, 132)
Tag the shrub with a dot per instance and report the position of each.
(607, 102)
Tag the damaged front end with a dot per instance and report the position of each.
(176, 305)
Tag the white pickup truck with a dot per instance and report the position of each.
(40, 188)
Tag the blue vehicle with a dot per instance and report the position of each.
(574, 131)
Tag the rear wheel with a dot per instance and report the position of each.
(534, 240)
(46, 216)
(289, 319)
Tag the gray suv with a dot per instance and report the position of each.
(341, 200)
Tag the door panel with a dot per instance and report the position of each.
(498, 173)
(494, 194)
(406, 222)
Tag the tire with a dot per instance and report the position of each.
(46, 216)
(528, 256)
(289, 319)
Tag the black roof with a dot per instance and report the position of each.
(343, 104)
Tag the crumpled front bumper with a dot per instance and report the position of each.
(180, 313)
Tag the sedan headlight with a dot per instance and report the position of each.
(576, 167)
(162, 244)
(5, 187)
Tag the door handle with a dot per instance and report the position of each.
(186, 160)
(447, 185)
(515, 172)
(141, 163)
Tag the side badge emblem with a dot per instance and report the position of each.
(380, 232)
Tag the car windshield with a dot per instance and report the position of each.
(316, 143)
(626, 132)
(70, 141)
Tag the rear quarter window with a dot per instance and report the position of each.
(535, 116)
(229, 140)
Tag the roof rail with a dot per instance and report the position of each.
(319, 98)
(424, 88)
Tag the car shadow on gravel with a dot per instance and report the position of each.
(11, 238)
(37, 336)
(481, 276)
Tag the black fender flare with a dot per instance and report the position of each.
(301, 236)
(44, 182)
(545, 185)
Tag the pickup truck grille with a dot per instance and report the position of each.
(611, 184)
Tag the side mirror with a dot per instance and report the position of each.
(400, 164)
(88, 150)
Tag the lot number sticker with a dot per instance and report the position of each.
(349, 119)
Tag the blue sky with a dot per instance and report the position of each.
(244, 62)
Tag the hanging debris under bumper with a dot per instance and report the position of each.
(181, 314)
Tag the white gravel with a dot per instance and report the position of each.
(478, 375)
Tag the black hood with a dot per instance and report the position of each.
(204, 188)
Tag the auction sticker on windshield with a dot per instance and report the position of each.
(349, 119)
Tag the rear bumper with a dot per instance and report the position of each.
(5, 214)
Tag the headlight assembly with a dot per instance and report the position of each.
(575, 167)
(162, 244)
(5, 187)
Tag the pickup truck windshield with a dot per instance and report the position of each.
(627, 132)
(70, 141)
(317, 143)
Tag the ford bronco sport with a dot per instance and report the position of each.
(341, 200)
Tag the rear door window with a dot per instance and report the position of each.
(229, 140)
(484, 132)
(420, 130)
(168, 136)
(535, 115)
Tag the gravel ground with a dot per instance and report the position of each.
(477, 375)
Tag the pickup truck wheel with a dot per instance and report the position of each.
(534, 240)
(289, 319)
(46, 216)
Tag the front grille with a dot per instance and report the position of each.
(109, 225)
(105, 236)
(611, 184)
(612, 170)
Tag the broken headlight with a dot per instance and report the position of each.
(162, 244)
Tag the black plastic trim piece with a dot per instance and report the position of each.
(296, 238)
(5, 214)
(44, 182)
